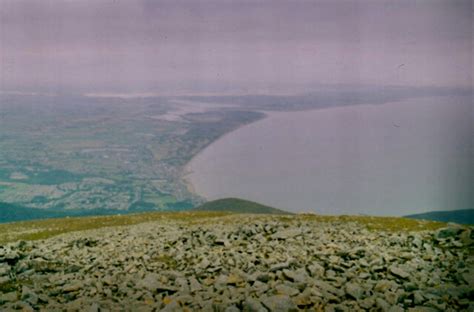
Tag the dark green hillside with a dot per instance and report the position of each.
(465, 216)
(237, 205)
(11, 213)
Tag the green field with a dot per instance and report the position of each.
(73, 152)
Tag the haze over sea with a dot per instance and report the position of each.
(391, 159)
(104, 103)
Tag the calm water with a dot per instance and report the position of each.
(390, 159)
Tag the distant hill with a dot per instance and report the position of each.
(465, 216)
(238, 206)
(13, 212)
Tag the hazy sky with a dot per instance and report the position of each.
(218, 45)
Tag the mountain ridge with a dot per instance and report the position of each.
(461, 216)
(237, 205)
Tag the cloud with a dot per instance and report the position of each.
(155, 46)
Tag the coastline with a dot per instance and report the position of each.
(186, 171)
(185, 180)
(221, 170)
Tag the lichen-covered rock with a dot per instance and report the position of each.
(250, 263)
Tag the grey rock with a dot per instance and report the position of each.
(172, 307)
(222, 242)
(286, 234)
(437, 305)
(316, 270)
(232, 308)
(326, 287)
(422, 309)
(12, 257)
(428, 249)
(4, 279)
(395, 308)
(279, 266)
(279, 303)
(418, 298)
(4, 269)
(331, 274)
(182, 283)
(94, 307)
(28, 295)
(184, 299)
(286, 290)
(260, 287)
(384, 285)
(74, 286)
(417, 242)
(263, 277)
(391, 297)
(448, 232)
(334, 265)
(306, 298)
(204, 264)
(410, 286)
(23, 306)
(382, 304)
(399, 272)
(8, 297)
(194, 285)
(466, 237)
(234, 279)
(298, 276)
(253, 305)
(151, 282)
(354, 291)
(367, 303)
(43, 298)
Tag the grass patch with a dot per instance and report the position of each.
(14, 285)
(42, 229)
(389, 224)
(167, 260)
(8, 287)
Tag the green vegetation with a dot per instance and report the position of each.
(465, 216)
(105, 154)
(42, 229)
(69, 153)
(11, 212)
(53, 177)
(224, 209)
(389, 224)
(237, 205)
(43, 176)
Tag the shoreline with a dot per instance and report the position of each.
(216, 173)
(186, 171)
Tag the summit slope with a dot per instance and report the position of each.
(204, 261)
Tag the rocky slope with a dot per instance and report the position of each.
(241, 262)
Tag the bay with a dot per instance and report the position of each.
(391, 159)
